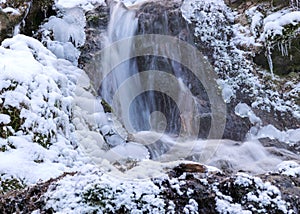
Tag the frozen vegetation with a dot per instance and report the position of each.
(52, 123)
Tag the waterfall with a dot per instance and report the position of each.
(122, 24)
(151, 109)
(166, 107)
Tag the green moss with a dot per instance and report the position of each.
(288, 32)
(99, 196)
(43, 139)
(107, 108)
(104, 199)
(93, 19)
(14, 113)
(16, 121)
(7, 185)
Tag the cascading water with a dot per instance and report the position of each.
(123, 24)
(144, 113)
(152, 112)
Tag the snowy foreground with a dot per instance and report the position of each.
(50, 117)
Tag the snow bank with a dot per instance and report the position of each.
(91, 190)
(38, 92)
(275, 23)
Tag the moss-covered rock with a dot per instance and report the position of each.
(10, 184)
(241, 3)
(27, 200)
(29, 14)
(283, 64)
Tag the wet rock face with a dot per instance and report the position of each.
(96, 24)
(164, 17)
(5, 27)
(10, 19)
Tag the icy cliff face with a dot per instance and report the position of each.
(230, 45)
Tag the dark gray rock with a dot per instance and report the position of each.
(5, 27)
(203, 185)
(166, 18)
(96, 24)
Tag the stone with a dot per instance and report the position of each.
(96, 25)
(5, 27)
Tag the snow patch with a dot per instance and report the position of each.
(11, 10)
(40, 86)
(85, 4)
(291, 136)
(243, 110)
(4, 119)
(289, 168)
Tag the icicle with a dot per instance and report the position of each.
(283, 48)
(270, 62)
(286, 49)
